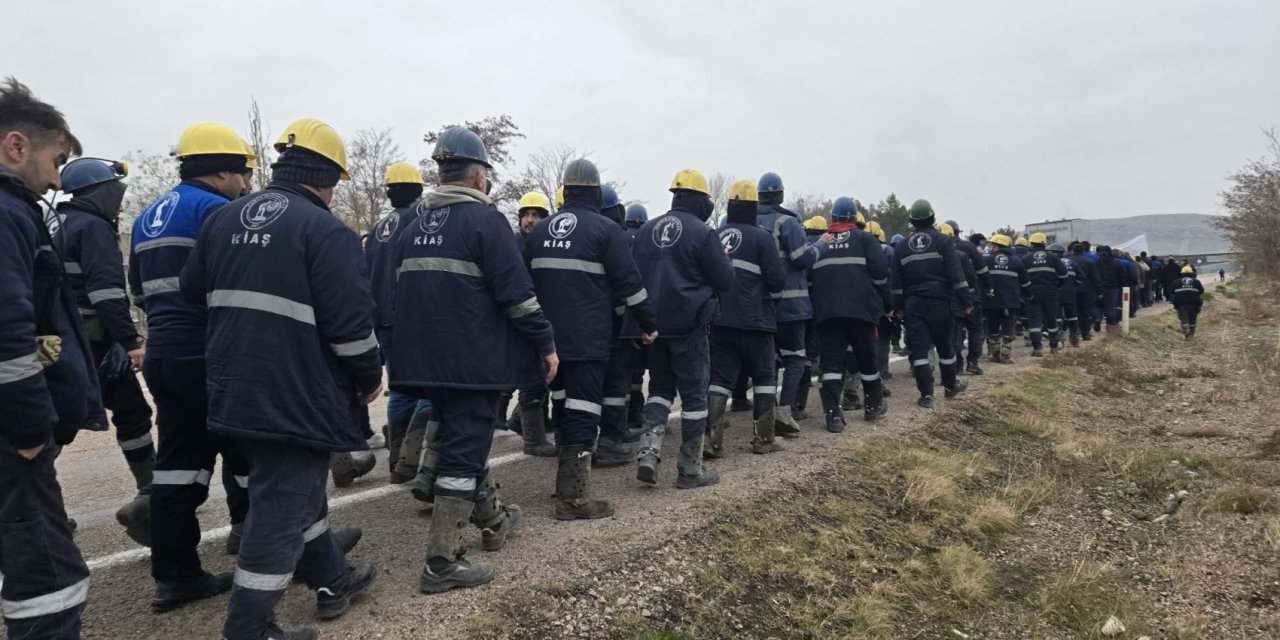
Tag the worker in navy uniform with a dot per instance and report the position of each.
(636, 216)
(1088, 288)
(290, 354)
(742, 333)
(404, 185)
(615, 447)
(468, 327)
(1188, 297)
(532, 399)
(581, 264)
(885, 327)
(926, 276)
(684, 265)
(957, 310)
(212, 164)
(1046, 274)
(1067, 315)
(48, 385)
(1009, 283)
(88, 236)
(850, 293)
(973, 323)
(794, 307)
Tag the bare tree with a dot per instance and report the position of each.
(809, 205)
(360, 201)
(259, 139)
(545, 168)
(718, 185)
(151, 175)
(1253, 204)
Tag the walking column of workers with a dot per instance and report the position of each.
(568, 313)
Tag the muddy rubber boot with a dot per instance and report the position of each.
(973, 368)
(784, 424)
(959, 388)
(1006, 351)
(446, 567)
(650, 454)
(410, 453)
(274, 632)
(713, 446)
(171, 595)
(347, 466)
(1037, 353)
(496, 521)
(692, 474)
(135, 517)
(535, 430)
(573, 487)
(423, 484)
(611, 452)
(394, 433)
(850, 401)
(835, 421)
(925, 402)
(335, 599)
(993, 350)
(875, 407)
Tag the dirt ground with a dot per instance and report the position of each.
(1127, 489)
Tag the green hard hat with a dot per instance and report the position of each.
(921, 210)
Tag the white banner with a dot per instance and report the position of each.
(1135, 246)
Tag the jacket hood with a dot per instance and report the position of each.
(449, 194)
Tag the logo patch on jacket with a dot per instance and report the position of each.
(562, 225)
(667, 232)
(842, 237)
(919, 242)
(731, 239)
(263, 210)
(388, 227)
(433, 221)
(160, 214)
(1002, 261)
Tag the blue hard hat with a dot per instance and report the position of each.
(844, 209)
(769, 183)
(897, 237)
(608, 197)
(86, 172)
(1057, 248)
(955, 226)
(637, 213)
(460, 144)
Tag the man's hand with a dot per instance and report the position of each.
(552, 362)
(367, 399)
(135, 358)
(30, 454)
(827, 238)
(648, 338)
(991, 293)
(968, 310)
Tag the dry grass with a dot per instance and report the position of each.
(1082, 598)
(1271, 527)
(1191, 628)
(965, 574)
(992, 518)
(1270, 447)
(1243, 499)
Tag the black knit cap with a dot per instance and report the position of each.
(203, 165)
(303, 166)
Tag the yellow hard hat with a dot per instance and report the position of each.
(875, 229)
(318, 137)
(744, 190)
(208, 138)
(404, 173)
(1000, 239)
(947, 230)
(250, 158)
(560, 197)
(1022, 241)
(816, 223)
(1187, 269)
(690, 180)
(1038, 238)
(862, 219)
(535, 200)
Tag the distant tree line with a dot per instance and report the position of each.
(1252, 203)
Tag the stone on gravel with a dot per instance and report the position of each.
(1112, 627)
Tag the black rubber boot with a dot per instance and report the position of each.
(612, 452)
(956, 390)
(410, 453)
(573, 487)
(495, 520)
(714, 443)
(171, 595)
(348, 466)
(875, 407)
(274, 632)
(394, 434)
(850, 400)
(535, 430)
(925, 402)
(334, 600)
(784, 423)
(973, 368)
(135, 517)
(446, 567)
(835, 421)
(740, 404)
(692, 474)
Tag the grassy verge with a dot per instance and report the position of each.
(1086, 489)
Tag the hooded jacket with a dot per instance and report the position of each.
(581, 264)
(1088, 280)
(683, 265)
(797, 255)
(88, 241)
(290, 348)
(465, 312)
(162, 239)
(39, 403)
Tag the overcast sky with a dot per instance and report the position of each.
(997, 111)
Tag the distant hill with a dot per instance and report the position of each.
(1172, 233)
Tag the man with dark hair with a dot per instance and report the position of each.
(290, 354)
(42, 406)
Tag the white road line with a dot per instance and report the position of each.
(214, 535)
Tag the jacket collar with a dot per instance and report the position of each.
(299, 190)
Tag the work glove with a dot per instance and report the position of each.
(48, 350)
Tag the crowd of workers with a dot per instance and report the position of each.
(268, 327)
